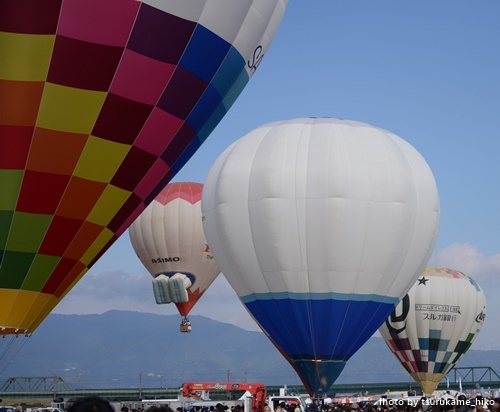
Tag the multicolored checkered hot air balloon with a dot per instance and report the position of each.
(169, 240)
(321, 226)
(435, 324)
(101, 103)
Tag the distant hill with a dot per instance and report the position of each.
(114, 349)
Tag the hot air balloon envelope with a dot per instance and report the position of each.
(320, 226)
(169, 240)
(435, 324)
(101, 103)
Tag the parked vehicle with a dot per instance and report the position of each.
(255, 397)
(51, 409)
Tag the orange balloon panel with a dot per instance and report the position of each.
(101, 103)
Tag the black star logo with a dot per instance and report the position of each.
(423, 281)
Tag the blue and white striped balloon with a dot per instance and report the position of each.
(321, 226)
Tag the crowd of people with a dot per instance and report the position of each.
(459, 404)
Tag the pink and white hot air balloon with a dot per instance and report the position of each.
(169, 240)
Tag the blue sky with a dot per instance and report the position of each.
(426, 70)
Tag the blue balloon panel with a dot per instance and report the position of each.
(318, 336)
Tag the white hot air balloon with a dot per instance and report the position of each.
(320, 226)
(169, 240)
(435, 324)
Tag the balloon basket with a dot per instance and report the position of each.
(185, 326)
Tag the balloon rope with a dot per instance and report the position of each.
(14, 345)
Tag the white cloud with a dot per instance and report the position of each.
(101, 291)
(469, 260)
(122, 290)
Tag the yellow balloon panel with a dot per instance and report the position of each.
(69, 109)
(20, 307)
(104, 237)
(100, 159)
(25, 57)
(45, 303)
(111, 201)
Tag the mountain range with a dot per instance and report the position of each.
(123, 349)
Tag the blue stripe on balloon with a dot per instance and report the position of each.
(236, 89)
(307, 327)
(231, 72)
(204, 53)
(476, 286)
(212, 122)
(183, 158)
(204, 109)
(320, 296)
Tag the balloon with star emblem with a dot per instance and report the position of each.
(435, 324)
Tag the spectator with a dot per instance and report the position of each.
(91, 404)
